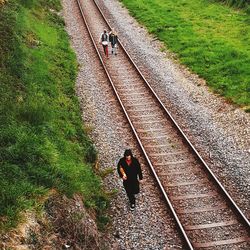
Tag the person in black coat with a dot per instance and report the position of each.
(129, 170)
(113, 38)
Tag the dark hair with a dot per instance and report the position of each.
(128, 152)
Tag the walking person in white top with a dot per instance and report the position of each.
(104, 40)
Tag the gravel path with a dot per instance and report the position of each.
(220, 131)
(217, 129)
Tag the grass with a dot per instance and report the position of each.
(236, 3)
(212, 39)
(43, 145)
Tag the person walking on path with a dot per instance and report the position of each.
(129, 170)
(104, 40)
(113, 38)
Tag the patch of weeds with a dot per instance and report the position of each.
(88, 129)
(31, 40)
(33, 238)
(112, 193)
(76, 217)
(91, 153)
(102, 222)
(104, 173)
(247, 109)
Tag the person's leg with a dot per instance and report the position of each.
(132, 201)
(115, 48)
(130, 194)
(106, 51)
(131, 197)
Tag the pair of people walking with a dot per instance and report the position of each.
(111, 37)
(129, 170)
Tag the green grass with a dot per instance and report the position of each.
(212, 39)
(236, 3)
(43, 145)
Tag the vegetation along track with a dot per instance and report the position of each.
(205, 213)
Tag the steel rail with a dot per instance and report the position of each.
(188, 243)
(223, 190)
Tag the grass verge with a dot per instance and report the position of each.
(42, 141)
(212, 39)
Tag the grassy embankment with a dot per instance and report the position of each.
(43, 145)
(211, 38)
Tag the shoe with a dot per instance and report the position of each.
(132, 207)
(115, 53)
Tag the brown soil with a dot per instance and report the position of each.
(65, 224)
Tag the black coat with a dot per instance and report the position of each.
(133, 171)
(113, 39)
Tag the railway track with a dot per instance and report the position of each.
(205, 213)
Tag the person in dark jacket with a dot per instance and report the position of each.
(129, 170)
(113, 38)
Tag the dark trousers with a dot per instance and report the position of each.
(130, 193)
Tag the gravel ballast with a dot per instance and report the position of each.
(218, 130)
(150, 226)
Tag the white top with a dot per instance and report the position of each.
(105, 43)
